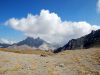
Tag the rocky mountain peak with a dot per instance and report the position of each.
(87, 41)
(31, 42)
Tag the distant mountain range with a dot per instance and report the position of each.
(32, 43)
(3, 45)
(87, 41)
(29, 43)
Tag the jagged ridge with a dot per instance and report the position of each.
(87, 41)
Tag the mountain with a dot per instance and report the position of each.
(32, 43)
(3, 45)
(87, 41)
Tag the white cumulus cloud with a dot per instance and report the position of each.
(98, 6)
(49, 26)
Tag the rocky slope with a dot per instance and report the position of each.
(3, 45)
(31, 43)
(72, 62)
(87, 41)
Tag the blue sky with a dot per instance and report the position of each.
(70, 10)
(74, 10)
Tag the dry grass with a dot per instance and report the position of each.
(52, 70)
(37, 52)
(85, 70)
(96, 56)
(15, 67)
(2, 70)
(77, 62)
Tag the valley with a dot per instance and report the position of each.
(50, 37)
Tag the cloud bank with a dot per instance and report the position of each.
(49, 26)
(98, 6)
(6, 41)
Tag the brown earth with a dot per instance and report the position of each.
(73, 62)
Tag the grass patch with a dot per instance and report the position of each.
(52, 70)
(2, 70)
(15, 68)
(85, 70)
(96, 56)
(38, 52)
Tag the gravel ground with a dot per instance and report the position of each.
(76, 62)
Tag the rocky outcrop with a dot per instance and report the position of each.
(87, 41)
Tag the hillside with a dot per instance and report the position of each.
(3, 45)
(30, 43)
(85, 42)
(77, 62)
